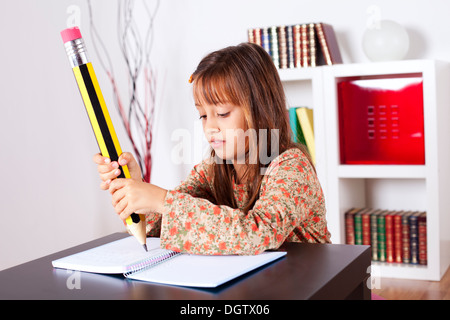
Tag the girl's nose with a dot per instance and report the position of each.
(210, 126)
(212, 130)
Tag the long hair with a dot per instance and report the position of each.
(245, 76)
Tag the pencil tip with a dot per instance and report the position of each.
(145, 247)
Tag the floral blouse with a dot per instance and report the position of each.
(291, 207)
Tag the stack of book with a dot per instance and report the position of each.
(302, 125)
(394, 236)
(300, 45)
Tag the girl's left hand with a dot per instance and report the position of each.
(131, 196)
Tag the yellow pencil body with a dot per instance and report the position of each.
(105, 133)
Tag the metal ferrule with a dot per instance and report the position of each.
(76, 51)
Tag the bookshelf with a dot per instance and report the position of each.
(393, 187)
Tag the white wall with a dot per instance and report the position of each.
(49, 193)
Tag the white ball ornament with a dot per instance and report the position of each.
(385, 40)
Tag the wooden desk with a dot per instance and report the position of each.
(309, 271)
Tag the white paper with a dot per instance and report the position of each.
(111, 258)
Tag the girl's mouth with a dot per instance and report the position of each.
(216, 143)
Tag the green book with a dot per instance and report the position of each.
(358, 228)
(381, 236)
(297, 133)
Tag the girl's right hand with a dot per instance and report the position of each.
(109, 170)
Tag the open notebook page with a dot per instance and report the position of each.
(204, 271)
(110, 258)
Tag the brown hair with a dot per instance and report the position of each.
(245, 76)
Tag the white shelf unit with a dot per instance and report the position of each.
(393, 187)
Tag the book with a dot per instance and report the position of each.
(282, 47)
(265, 39)
(251, 35)
(381, 219)
(257, 36)
(274, 50)
(406, 247)
(414, 237)
(365, 226)
(297, 46)
(304, 45)
(389, 234)
(290, 46)
(350, 225)
(305, 117)
(297, 133)
(398, 236)
(328, 43)
(164, 266)
(422, 234)
(374, 234)
(358, 227)
(312, 45)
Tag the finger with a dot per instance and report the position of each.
(99, 159)
(120, 208)
(124, 158)
(117, 196)
(126, 212)
(123, 209)
(110, 174)
(109, 177)
(117, 184)
(105, 168)
(104, 185)
(127, 159)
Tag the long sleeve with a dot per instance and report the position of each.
(290, 207)
(195, 185)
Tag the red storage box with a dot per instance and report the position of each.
(381, 120)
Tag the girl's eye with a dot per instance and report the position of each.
(223, 115)
(202, 117)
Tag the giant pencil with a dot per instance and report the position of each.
(98, 114)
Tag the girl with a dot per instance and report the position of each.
(240, 200)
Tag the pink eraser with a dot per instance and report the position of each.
(70, 34)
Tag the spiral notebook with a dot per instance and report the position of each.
(163, 266)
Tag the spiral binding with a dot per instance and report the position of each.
(150, 262)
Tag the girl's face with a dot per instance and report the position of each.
(224, 128)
